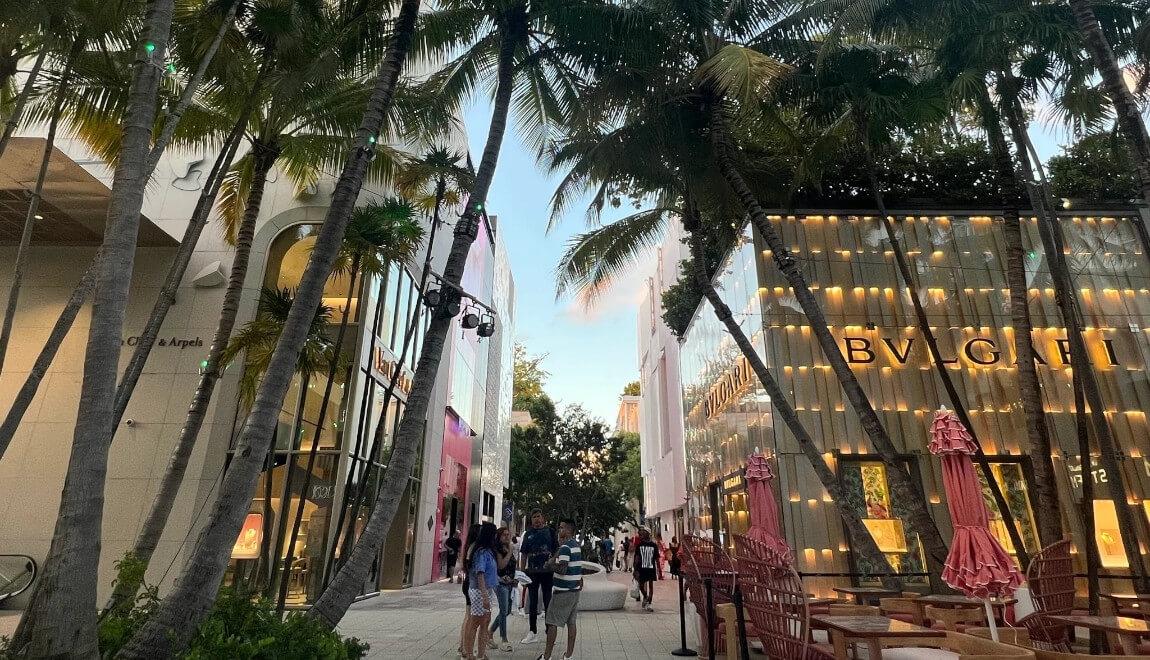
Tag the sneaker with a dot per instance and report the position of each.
(505, 646)
(520, 612)
(531, 638)
(542, 657)
(492, 645)
(648, 608)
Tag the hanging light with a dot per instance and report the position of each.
(433, 298)
(453, 308)
(487, 327)
(470, 320)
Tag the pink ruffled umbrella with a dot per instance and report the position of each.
(764, 510)
(977, 565)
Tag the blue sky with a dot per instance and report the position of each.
(591, 354)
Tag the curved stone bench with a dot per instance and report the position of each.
(599, 593)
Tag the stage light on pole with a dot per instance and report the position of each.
(433, 298)
(469, 321)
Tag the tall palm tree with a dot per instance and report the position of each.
(872, 89)
(378, 235)
(529, 51)
(25, 29)
(178, 616)
(60, 619)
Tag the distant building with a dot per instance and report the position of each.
(661, 403)
(627, 421)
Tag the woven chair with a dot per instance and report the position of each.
(711, 561)
(1050, 578)
(776, 603)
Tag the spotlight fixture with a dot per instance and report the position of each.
(487, 328)
(453, 308)
(433, 298)
(470, 320)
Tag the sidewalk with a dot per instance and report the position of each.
(424, 622)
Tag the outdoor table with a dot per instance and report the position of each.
(956, 600)
(868, 595)
(871, 630)
(1122, 631)
(1134, 601)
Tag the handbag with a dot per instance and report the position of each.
(635, 593)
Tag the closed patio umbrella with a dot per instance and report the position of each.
(764, 509)
(977, 565)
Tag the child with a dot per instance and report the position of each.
(646, 559)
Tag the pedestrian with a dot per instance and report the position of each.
(626, 546)
(646, 558)
(676, 563)
(464, 558)
(568, 582)
(607, 550)
(662, 554)
(451, 548)
(537, 547)
(483, 576)
(505, 561)
(516, 589)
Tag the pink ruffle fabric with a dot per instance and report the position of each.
(765, 525)
(977, 565)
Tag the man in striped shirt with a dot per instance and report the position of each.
(567, 565)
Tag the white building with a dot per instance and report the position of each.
(661, 407)
(467, 424)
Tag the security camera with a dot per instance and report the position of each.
(130, 422)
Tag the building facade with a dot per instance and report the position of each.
(661, 446)
(464, 452)
(958, 257)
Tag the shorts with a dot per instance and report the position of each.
(475, 602)
(564, 604)
(645, 574)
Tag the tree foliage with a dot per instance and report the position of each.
(529, 377)
(631, 389)
(1096, 169)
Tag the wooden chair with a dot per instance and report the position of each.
(850, 609)
(964, 647)
(778, 607)
(956, 619)
(1050, 579)
(901, 609)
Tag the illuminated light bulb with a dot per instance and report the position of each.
(150, 47)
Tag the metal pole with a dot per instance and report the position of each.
(737, 600)
(710, 620)
(683, 650)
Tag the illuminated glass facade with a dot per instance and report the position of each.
(958, 258)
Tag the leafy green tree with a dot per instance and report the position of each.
(631, 389)
(1096, 169)
(626, 477)
(528, 377)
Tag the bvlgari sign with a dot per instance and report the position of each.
(977, 352)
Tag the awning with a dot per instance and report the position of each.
(74, 206)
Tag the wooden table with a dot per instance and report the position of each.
(870, 630)
(1122, 631)
(957, 600)
(1133, 601)
(868, 595)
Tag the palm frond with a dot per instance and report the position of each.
(594, 259)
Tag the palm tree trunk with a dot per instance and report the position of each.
(1127, 112)
(952, 393)
(179, 615)
(173, 119)
(904, 489)
(34, 203)
(861, 540)
(1086, 508)
(388, 394)
(60, 330)
(157, 519)
(22, 100)
(61, 618)
(332, 370)
(344, 587)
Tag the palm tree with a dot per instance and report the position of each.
(178, 616)
(25, 28)
(522, 45)
(872, 89)
(1127, 111)
(632, 159)
(378, 235)
(60, 618)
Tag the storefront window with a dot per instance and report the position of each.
(1012, 483)
(1108, 535)
(868, 494)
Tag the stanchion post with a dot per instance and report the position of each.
(744, 648)
(683, 650)
(710, 620)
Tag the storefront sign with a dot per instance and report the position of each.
(251, 537)
(167, 342)
(729, 388)
(385, 365)
(976, 351)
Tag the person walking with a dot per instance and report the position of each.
(676, 563)
(482, 576)
(567, 567)
(626, 546)
(451, 547)
(516, 588)
(646, 559)
(536, 549)
(464, 561)
(505, 561)
(607, 552)
(662, 555)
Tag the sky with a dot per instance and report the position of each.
(591, 353)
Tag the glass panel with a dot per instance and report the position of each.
(252, 550)
(387, 300)
(1012, 483)
(330, 437)
(403, 297)
(1108, 535)
(868, 493)
(310, 542)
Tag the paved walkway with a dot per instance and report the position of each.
(424, 622)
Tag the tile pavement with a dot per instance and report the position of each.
(423, 622)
